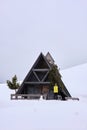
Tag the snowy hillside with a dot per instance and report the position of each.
(75, 79)
(48, 115)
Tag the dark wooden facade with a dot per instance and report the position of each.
(36, 81)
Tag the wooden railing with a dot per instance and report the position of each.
(25, 96)
(36, 96)
(72, 98)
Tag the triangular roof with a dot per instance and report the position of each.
(41, 65)
(38, 74)
(49, 58)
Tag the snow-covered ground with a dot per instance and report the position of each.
(51, 114)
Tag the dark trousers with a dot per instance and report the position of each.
(56, 96)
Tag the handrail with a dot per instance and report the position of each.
(25, 96)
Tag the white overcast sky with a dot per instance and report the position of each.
(28, 27)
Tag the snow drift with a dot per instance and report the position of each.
(48, 114)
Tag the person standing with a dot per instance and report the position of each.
(55, 90)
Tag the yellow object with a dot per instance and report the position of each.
(55, 89)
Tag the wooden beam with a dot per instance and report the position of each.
(40, 70)
(37, 82)
(45, 76)
(36, 76)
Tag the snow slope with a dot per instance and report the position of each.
(75, 79)
(48, 115)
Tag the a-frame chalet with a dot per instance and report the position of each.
(37, 82)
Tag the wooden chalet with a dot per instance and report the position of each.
(36, 82)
